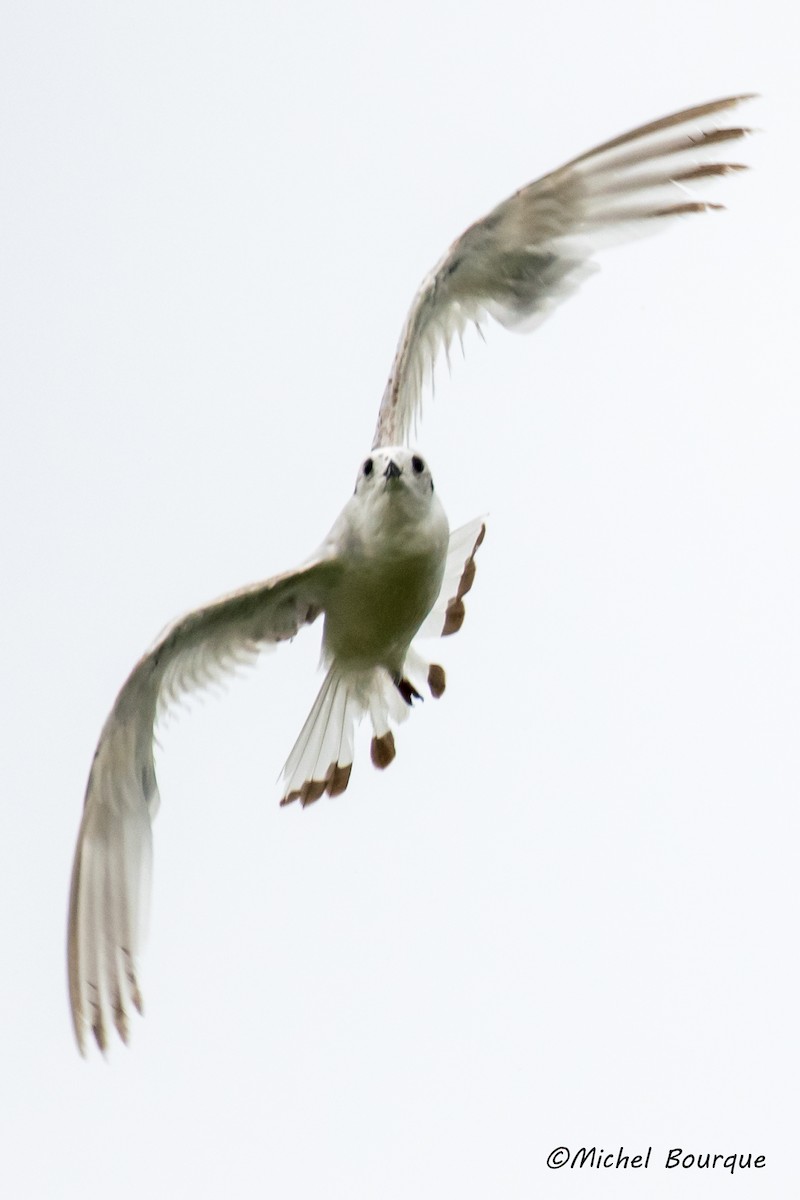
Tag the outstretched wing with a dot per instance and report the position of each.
(534, 249)
(110, 887)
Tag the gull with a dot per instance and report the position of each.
(390, 571)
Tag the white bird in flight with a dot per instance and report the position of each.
(389, 571)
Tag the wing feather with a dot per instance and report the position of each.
(447, 615)
(110, 888)
(534, 249)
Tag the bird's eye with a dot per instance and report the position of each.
(368, 467)
(418, 465)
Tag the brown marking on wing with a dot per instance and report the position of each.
(99, 1031)
(679, 210)
(455, 611)
(436, 680)
(382, 750)
(453, 617)
(133, 983)
(120, 1019)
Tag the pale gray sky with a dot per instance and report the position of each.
(567, 914)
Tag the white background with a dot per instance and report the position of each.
(567, 914)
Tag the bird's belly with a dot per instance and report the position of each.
(377, 608)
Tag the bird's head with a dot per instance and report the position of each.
(395, 471)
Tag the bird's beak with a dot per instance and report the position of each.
(392, 471)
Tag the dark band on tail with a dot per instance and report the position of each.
(382, 750)
(334, 783)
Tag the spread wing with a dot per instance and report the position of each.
(110, 887)
(534, 249)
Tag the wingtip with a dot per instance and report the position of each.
(121, 1025)
(80, 1042)
(729, 101)
(687, 208)
(96, 1029)
(100, 1036)
(707, 171)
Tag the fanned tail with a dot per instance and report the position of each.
(322, 757)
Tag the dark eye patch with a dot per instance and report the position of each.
(418, 465)
(368, 465)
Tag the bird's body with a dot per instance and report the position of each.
(392, 545)
(389, 571)
(385, 557)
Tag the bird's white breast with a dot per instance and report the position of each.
(392, 563)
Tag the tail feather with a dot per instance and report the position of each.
(322, 757)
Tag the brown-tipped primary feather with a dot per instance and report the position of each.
(683, 116)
